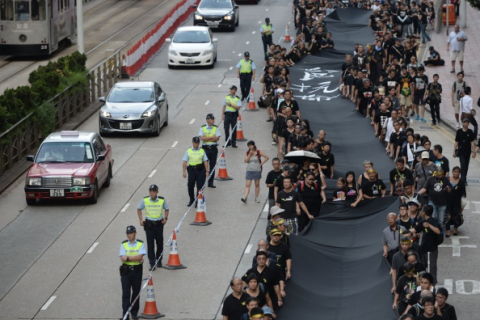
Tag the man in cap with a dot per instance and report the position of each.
(266, 30)
(257, 314)
(281, 224)
(273, 215)
(230, 108)
(132, 251)
(156, 215)
(246, 73)
(284, 256)
(267, 313)
(209, 134)
(433, 58)
(195, 162)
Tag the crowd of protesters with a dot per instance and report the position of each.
(387, 84)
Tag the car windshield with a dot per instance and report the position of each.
(192, 36)
(61, 152)
(215, 4)
(127, 95)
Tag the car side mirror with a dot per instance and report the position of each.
(100, 158)
(101, 99)
(168, 40)
(214, 40)
(30, 158)
(236, 6)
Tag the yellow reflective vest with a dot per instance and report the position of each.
(132, 251)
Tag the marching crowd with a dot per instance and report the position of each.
(388, 85)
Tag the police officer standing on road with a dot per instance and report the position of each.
(156, 215)
(267, 30)
(246, 73)
(209, 134)
(230, 108)
(131, 255)
(195, 162)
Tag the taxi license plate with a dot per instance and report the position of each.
(126, 125)
(55, 193)
(189, 61)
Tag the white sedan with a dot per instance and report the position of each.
(192, 46)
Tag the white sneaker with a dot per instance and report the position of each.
(457, 125)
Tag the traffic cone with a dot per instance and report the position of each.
(251, 101)
(240, 136)
(287, 33)
(150, 311)
(200, 219)
(174, 259)
(222, 171)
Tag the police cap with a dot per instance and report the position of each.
(267, 20)
(246, 54)
(196, 140)
(153, 187)
(210, 116)
(131, 229)
(233, 88)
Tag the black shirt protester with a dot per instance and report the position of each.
(271, 179)
(373, 189)
(437, 190)
(397, 177)
(283, 254)
(288, 202)
(234, 308)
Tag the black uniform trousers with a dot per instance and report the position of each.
(212, 153)
(154, 233)
(245, 84)
(131, 283)
(464, 164)
(267, 41)
(230, 120)
(195, 176)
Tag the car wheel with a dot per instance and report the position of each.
(94, 198)
(103, 134)
(156, 133)
(106, 184)
(165, 123)
(238, 21)
(31, 202)
(232, 28)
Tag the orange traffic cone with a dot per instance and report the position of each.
(222, 169)
(240, 136)
(150, 311)
(251, 101)
(287, 33)
(200, 219)
(174, 258)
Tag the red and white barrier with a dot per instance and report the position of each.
(142, 51)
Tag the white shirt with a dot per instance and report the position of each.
(466, 104)
(456, 45)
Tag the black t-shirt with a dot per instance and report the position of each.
(406, 287)
(464, 139)
(293, 105)
(423, 317)
(448, 312)
(268, 277)
(271, 178)
(365, 94)
(397, 52)
(381, 118)
(373, 189)
(288, 202)
(442, 162)
(390, 83)
(359, 61)
(397, 139)
(397, 177)
(283, 254)
(429, 238)
(234, 308)
(437, 190)
(327, 160)
(311, 196)
(420, 83)
(279, 183)
(286, 134)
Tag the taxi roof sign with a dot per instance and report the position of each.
(69, 133)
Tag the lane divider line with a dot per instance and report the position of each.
(265, 209)
(92, 247)
(230, 68)
(153, 173)
(253, 32)
(207, 102)
(125, 207)
(248, 249)
(191, 121)
(247, 42)
(239, 54)
(174, 144)
(220, 85)
(48, 303)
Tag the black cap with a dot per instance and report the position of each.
(466, 120)
(287, 168)
(421, 68)
(246, 54)
(196, 139)
(210, 116)
(285, 161)
(131, 229)
(267, 19)
(153, 187)
(233, 88)
(431, 48)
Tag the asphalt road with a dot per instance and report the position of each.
(49, 271)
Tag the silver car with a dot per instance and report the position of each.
(134, 106)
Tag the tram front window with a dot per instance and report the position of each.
(6, 10)
(38, 9)
(22, 10)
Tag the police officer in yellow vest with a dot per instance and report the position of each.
(230, 108)
(156, 215)
(246, 73)
(131, 255)
(209, 134)
(195, 162)
(267, 30)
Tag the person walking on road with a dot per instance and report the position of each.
(458, 91)
(132, 251)
(253, 159)
(230, 108)
(156, 215)
(209, 134)
(467, 111)
(267, 30)
(195, 162)
(434, 96)
(464, 146)
(234, 304)
(246, 73)
(456, 46)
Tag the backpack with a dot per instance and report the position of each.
(406, 89)
(457, 93)
(301, 185)
(439, 239)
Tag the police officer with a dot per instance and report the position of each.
(195, 162)
(209, 134)
(246, 73)
(131, 255)
(267, 30)
(156, 215)
(230, 108)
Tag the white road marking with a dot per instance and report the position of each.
(266, 9)
(260, 21)
(467, 206)
(207, 102)
(476, 204)
(92, 247)
(153, 173)
(191, 121)
(247, 42)
(253, 32)
(249, 247)
(174, 144)
(456, 246)
(265, 209)
(233, 51)
(125, 207)
(48, 303)
(239, 54)
(220, 85)
(230, 68)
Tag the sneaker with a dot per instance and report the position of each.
(274, 142)
(257, 201)
(457, 125)
(417, 117)
(423, 120)
(244, 200)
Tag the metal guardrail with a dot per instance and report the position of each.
(25, 136)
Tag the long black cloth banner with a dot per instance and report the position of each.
(338, 269)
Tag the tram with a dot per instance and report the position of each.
(36, 27)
